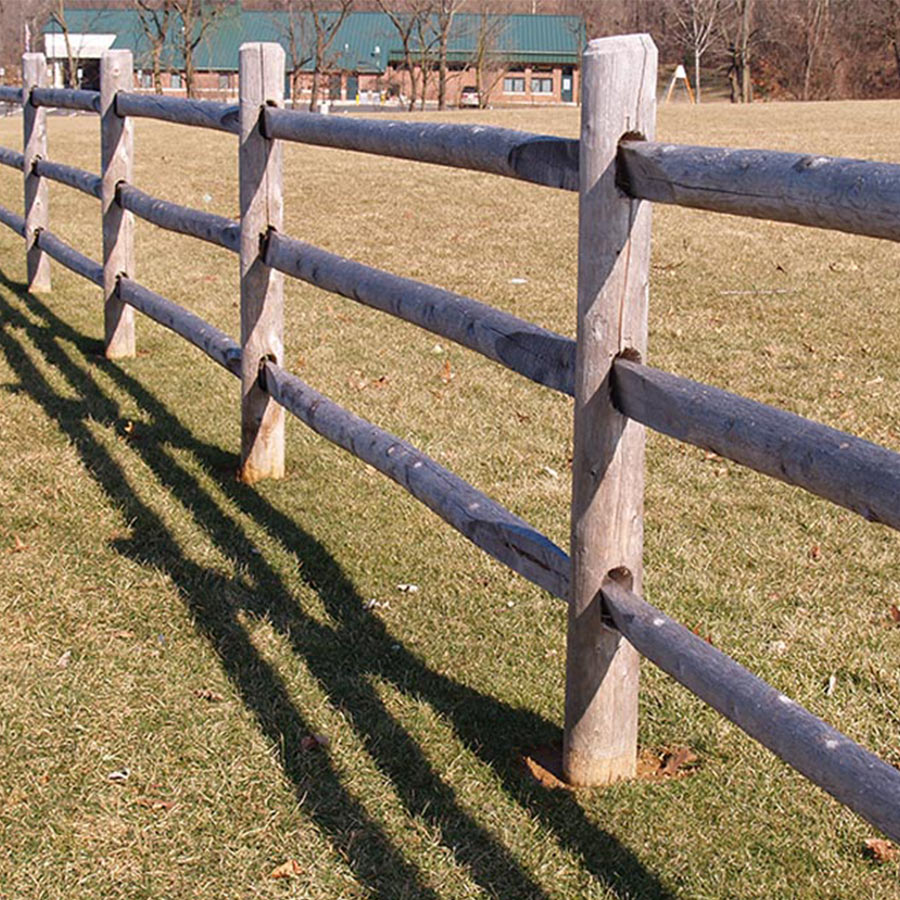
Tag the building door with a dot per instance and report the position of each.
(567, 92)
(352, 86)
(334, 87)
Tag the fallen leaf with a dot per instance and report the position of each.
(408, 588)
(63, 661)
(551, 472)
(208, 694)
(446, 374)
(118, 775)
(832, 683)
(123, 634)
(673, 761)
(18, 544)
(895, 612)
(314, 741)
(544, 765)
(287, 869)
(154, 804)
(815, 552)
(881, 850)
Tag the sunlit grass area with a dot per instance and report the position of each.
(245, 654)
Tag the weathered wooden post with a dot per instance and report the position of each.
(619, 98)
(117, 163)
(262, 288)
(37, 201)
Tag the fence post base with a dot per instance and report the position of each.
(619, 97)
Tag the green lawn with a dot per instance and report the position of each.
(158, 616)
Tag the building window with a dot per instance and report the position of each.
(224, 80)
(176, 80)
(146, 78)
(513, 85)
(541, 85)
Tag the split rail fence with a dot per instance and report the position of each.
(616, 167)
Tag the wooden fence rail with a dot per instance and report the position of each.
(12, 158)
(66, 98)
(81, 180)
(206, 226)
(850, 195)
(10, 95)
(615, 394)
(199, 113)
(528, 349)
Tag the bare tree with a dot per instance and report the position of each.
(407, 22)
(325, 21)
(487, 58)
(816, 23)
(696, 27)
(738, 36)
(885, 24)
(299, 51)
(58, 17)
(444, 13)
(154, 17)
(427, 41)
(199, 18)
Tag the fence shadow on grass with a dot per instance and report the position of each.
(344, 659)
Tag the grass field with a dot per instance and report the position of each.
(159, 617)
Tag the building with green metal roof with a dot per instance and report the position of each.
(507, 58)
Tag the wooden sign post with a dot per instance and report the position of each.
(618, 100)
(680, 75)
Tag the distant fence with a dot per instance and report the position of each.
(615, 167)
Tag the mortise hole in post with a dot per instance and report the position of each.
(631, 354)
(621, 575)
(264, 239)
(261, 371)
(622, 182)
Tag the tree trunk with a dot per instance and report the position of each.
(697, 73)
(157, 76)
(412, 88)
(746, 83)
(189, 73)
(442, 72)
(314, 94)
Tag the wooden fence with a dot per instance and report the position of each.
(616, 167)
